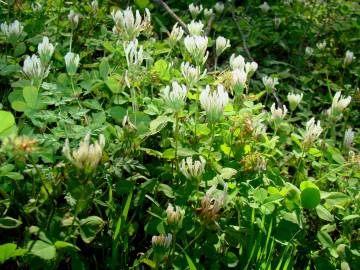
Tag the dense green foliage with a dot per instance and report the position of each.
(116, 153)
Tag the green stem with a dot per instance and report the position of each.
(176, 134)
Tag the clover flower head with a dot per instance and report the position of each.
(162, 241)
(195, 28)
(339, 104)
(175, 97)
(214, 103)
(134, 56)
(219, 7)
(270, 82)
(212, 203)
(74, 18)
(349, 137)
(221, 45)
(196, 46)
(45, 50)
(87, 156)
(278, 113)
(176, 34)
(309, 51)
(193, 169)
(312, 131)
(349, 57)
(195, 10)
(174, 214)
(208, 12)
(34, 69)
(264, 7)
(294, 100)
(72, 61)
(237, 62)
(239, 77)
(321, 45)
(192, 74)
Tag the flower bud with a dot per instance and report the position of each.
(195, 28)
(264, 7)
(175, 98)
(174, 214)
(294, 100)
(312, 131)
(36, 7)
(191, 74)
(270, 83)
(219, 7)
(176, 34)
(45, 50)
(278, 113)
(349, 57)
(321, 45)
(309, 51)
(73, 18)
(208, 13)
(237, 62)
(12, 31)
(221, 45)
(277, 22)
(195, 10)
(348, 137)
(72, 61)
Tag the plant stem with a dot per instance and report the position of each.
(176, 134)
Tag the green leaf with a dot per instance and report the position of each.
(6, 251)
(63, 244)
(142, 3)
(325, 239)
(338, 199)
(9, 223)
(231, 259)
(114, 84)
(104, 69)
(190, 262)
(161, 67)
(43, 250)
(90, 227)
(30, 94)
(310, 197)
(167, 190)
(159, 123)
(227, 173)
(7, 124)
(324, 214)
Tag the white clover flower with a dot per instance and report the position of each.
(130, 25)
(278, 113)
(250, 68)
(36, 7)
(174, 214)
(219, 7)
(237, 62)
(309, 51)
(294, 100)
(312, 131)
(221, 45)
(134, 57)
(321, 45)
(239, 77)
(87, 156)
(214, 103)
(161, 241)
(193, 169)
(195, 10)
(287, 2)
(277, 22)
(190, 73)
(269, 82)
(34, 69)
(208, 13)
(13, 31)
(175, 98)
(45, 50)
(212, 203)
(339, 104)
(349, 57)
(196, 46)
(74, 18)
(349, 137)
(72, 61)
(176, 34)
(264, 7)
(195, 28)
(94, 5)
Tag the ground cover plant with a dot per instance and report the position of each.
(179, 135)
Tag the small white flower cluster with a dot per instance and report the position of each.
(195, 28)
(208, 12)
(134, 56)
(94, 6)
(191, 73)
(349, 57)
(161, 241)
(175, 98)
(309, 51)
(195, 10)
(264, 7)
(269, 83)
(321, 45)
(214, 103)
(312, 131)
(241, 70)
(72, 61)
(174, 214)
(87, 156)
(193, 169)
(219, 7)
(221, 45)
(339, 104)
(176, 34)
(74, 18)
(211, 204)
(277, 22)
(349, 137)
(13, 31)
(45, 50)
(294, 100)
(196, 46)
(278, 113)
(129, 25)
(36, 7)
(34, 69)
